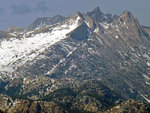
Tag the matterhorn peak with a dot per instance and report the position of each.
(96, 10)
(96, 14)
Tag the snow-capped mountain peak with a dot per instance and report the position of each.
(15, 52)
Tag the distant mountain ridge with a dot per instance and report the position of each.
(41, 22)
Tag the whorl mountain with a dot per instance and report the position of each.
(81, 63)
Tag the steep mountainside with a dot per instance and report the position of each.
(113, 50)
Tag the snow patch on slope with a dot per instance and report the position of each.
(146, 56)
(147, 79)
(105, 25)
(101, 42)
(15, 52)
(61, 61)
(145, 98)
(117, 37)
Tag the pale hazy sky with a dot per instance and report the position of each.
(24, 12)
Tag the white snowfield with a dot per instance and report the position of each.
(15, 52)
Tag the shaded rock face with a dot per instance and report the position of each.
(81, 33)
(114, 50)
